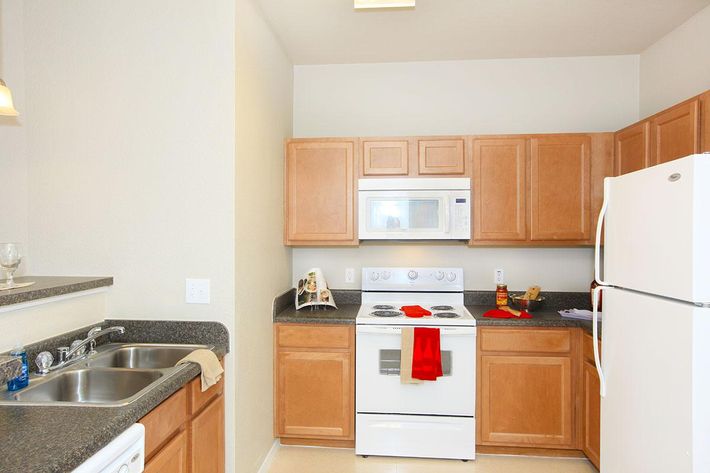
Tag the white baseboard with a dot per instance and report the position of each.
(264, 468)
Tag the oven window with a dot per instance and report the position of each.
(401, 214)
(391, 359)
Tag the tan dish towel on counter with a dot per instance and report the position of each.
(407, 353)
(210, 367)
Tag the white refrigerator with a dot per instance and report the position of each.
(655, 358)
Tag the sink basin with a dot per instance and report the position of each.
(89, 385)
(143, 356)
(117, 375)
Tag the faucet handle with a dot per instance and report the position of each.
(81, 350)
(44, 360)
(62, 354)
(95, 330)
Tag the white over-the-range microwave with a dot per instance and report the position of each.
(414, 209)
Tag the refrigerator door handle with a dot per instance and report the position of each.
(598, 240)
(595, 338)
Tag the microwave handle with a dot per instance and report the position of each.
(447, 214)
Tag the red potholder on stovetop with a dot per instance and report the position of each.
(414, 311)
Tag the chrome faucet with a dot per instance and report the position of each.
(76, 352)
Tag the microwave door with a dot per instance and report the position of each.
(404, 215)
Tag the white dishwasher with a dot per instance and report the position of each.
(125, 454)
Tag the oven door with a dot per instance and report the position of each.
(379, 390)
(414, 215)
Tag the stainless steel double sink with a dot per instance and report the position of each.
(116, 375)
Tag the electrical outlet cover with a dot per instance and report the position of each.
(499, 276)
(197, 291)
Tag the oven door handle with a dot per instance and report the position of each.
(396, 330)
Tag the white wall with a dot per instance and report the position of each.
(13, 162)
(490, 96)
(130, 147)
(130, 140)
(500, 96)
(677, 66)
(264, 100)
(554, 269)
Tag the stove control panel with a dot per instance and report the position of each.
(413, 279)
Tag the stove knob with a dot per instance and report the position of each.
(374, 276)
(386, 275)
(412, 275)
(451, 276)
(439, 275)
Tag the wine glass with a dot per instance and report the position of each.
(10, 259)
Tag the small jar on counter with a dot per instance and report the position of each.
(501, 295)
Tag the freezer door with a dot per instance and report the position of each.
(656, 360)
(657, 230)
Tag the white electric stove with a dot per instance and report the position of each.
(432, 419)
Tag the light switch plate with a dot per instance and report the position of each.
(197, 291)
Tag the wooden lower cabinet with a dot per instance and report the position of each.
(526, 401)
(537, 392)
(207, 439)
(591, 403)
(591, 408)
(314, 383)
(172, 458)
(185, 433)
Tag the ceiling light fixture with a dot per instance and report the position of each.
(371, 4)
(6, 106)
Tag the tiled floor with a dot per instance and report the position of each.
(331, 460)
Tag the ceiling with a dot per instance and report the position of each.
(331, 32)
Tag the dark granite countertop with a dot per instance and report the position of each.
(542, 318)
(477, 302)
(50, 286)
(343, 315)
(58, 439)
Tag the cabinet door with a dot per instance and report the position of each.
(526, 401)
(384, 157)
(675, 132)
(591, 413)
(163, 421)
(207, 439)
(320, 195)
(705, 122)
(560, 188)
(499, 168)
(632, 148)
(442, 156)
(172, 458)
(315, 394)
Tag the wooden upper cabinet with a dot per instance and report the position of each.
(632, 148)
(320, 192)
(705, 122)
(384, 157)
(676, 132)
(560, 188)
(499, 187)
(442, 156)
